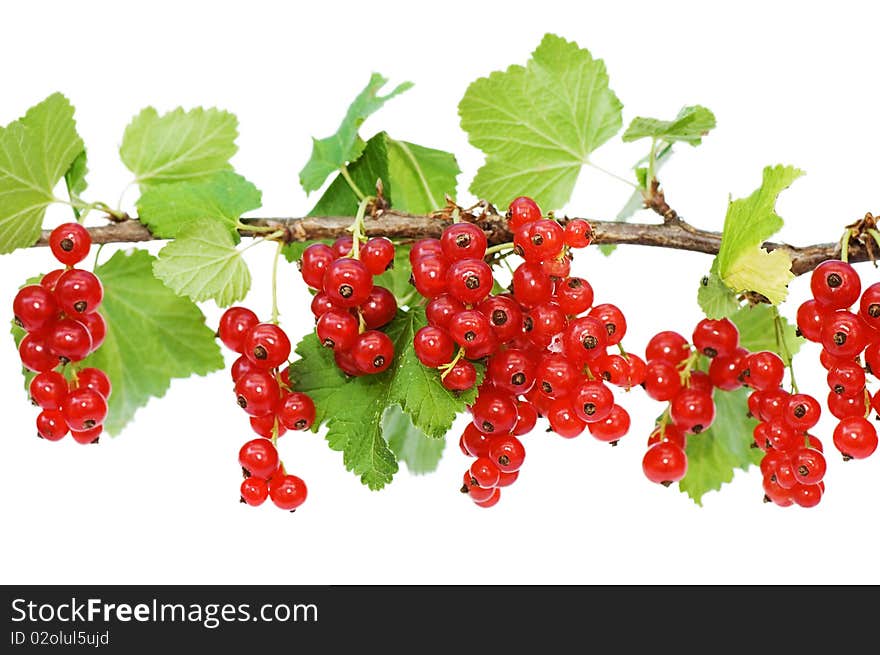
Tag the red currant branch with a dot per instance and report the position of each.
(676, 234)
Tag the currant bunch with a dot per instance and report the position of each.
(264, 391)
(349, 308)
(848, 338)
(63, 326)
(544, 343)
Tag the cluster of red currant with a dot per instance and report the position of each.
(264, 391)
(845, 337)
(541, 356)
(63, 325)
(349, 308)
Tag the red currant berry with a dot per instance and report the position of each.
(377, 254)
(475, 491)
(557, 267)
(348, 282)
(869, 306)
(78, 292)
(440, 310)
(585, 338)
(313, 264)
(692, 410)
(843, 406)
(538, 241)
(505, 316)
(296, 411)
(512, 371)
(429, 275)
(811, 315)
(470, 328)
(547, 321)
(321, 304)
(259, 458)
(613, 320)
(669, 432)
(835, 284)
(872, 359)
(802, 412)
(807, 495)
(611, 368)
(667, 346)
(662, 381)
(97, 327)
(636, 371)
(700, 381)
(725, 370)
(373, 351)
(574, 295)
(611, 428)
(664, 463)
(461, 377)
(254, 491)
(288, 492)
(493, 412)
(505, 480)
(508, 453)
(778, 435)
(855, 438)
(563, 419)
(809, 465)
(51, 425)
(522, 210)
(50, 279)
(267, 426)
(531, 286)
(345, 362)
(257, 393)
(379, 309)
(463, 241)
(235, 324)
(716, 338)
(69, 340)
(774, 492)
(592, 401)
(267, 346)
(425, 248)
(433, 346)
(84, 409)
(86, 437)
(474, 442)
(34, 308)
(342, 247)
(35, 353)
(48, 390)
(242, 366)
(555, 375)
(578, 233)
(844, 335)
(491, 501)
(526, 417)
(763, 370)
(337, 330)
(846, 378)
(469, 280)
(484, 472)
(95, 379)
(70, 243)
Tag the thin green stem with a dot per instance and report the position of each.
(874, 235)
(652, 163)
(501, 247)
(358, 229)
(844, 245)
(277, 234)
(256, 229)
(275, 312)
(614, 175)
(343, 170)
(98, 256)
(787, 357)
(688, 366)
(445, 368)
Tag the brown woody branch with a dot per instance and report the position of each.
(675, 234)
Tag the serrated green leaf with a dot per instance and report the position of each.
(340, 199)
(333, 152)
(396, 279)
(35, 152)
(203, 263)
(421, 177)
(294, 250)
(153, 336)
(223, 197)
(741, 262)
(715, 454)
(353, 408)
(75, 177)
(758, 331)
(689, 126)
(178, 146)
(420, 453)
(715, 298)
(538, 124)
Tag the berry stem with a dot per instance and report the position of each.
(275, 313)
(783, 347)
(343, 170)
(358, 229)
(689, 363)
(844, 245)
(445, 368)
(652, 163)
(501, 247)
(874, 235)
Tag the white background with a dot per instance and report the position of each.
(789, 83)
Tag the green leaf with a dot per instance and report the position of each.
(333, 152)
(715, 454)
(689, 126)
(35, 153)
(741, 262)
(538, 124)
(715, 298)
(153, 336)
(396, 279)
(410, 445)
(203, 263)
(340, 199)
(75, 177)
(223, 197)
(421, 177)
(758, 331)
(178, 146)
(357, 428)
(295, 249)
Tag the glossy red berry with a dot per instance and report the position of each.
(313, 264)
(469, 280)
(563, 419)
(611, 428)
(807, 495)
(846, 378)
(669, 432)
(51, 425)
(802, 412)
(348, 282)
(48, 390)
(855, 438)
(512, 371)
(342, 247)
(491, 501)
(811, 315)
(507, 453)
(345, 362)
(842, 406)
(538, 241)
(843, 335)
(254, 491)
(296, 411)
(505, 480)
(667, 346)
(97, 327)
(664, 463)
(763, 370)
(505, 316)
(869, 306)
(440, 310)
(461, 377)
(429, 275)
(257, 393)
(692, 410)
(493, 412)
(288, 492)
(547, 321)
(776, 493)
(337, 330)
(69, 340)
(34, 308)
(242, 366)
(235, 323)
(558, 267)
(373, 351)
(50, 279)
(463, 241)
(259, 458)
(470, 328)
(78, 292)
(425, 248)
(321, 304)
(526, 417)
(70, 243)
(267, 346)
(485, 472)
(379, 309)
(433, 346)
(531, 285)
(555, 375)
(574, 295)
(612, 318)
(716, 338)
(578, 233)
(809, 465)
(377, 254)
(585, 338)
(87, 436)
(35, 353)
(725, 370)
(835, 284)
(474, 442)
(592, 401)
(84, 409)
(522, 210)
(662, 380)
(267, 426)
